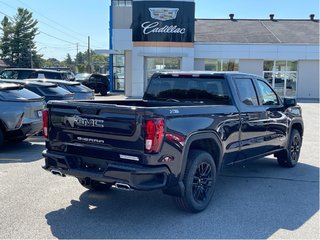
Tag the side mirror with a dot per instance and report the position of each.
(289, 102)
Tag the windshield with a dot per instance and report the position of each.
(82, 76)
(204, 90)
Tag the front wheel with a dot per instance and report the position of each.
(104, 91)
(290, 157)
(199, 181)
(94, 185)
(1, 138)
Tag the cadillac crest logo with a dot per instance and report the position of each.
(163, 21)
(163, 14)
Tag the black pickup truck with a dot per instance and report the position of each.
(177, 138)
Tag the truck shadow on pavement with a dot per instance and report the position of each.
(251, 201)
(32, 151)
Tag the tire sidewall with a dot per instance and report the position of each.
(295, 133)
(201, 157)
(1, 137)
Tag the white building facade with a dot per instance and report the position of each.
(151, 36)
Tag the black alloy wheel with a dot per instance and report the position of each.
(202, 182)
(290, 157)
(199, 181)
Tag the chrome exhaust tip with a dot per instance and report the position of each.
(57, 172)
(122, 186)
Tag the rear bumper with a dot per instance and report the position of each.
(24, 131)
(136, 176)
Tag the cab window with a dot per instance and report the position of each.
(246, 91)
(9, 74)
(266, 94)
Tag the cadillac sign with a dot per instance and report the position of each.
(163, 21)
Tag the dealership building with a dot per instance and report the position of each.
(152, 36)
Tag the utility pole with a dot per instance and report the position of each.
(31, 63)
(89, 55)
(77, 53)
(77, 48)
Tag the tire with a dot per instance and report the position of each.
(290, 157)
(1, 138)
(199, 180)
(18, 140)
(94, 185)
(104, 91)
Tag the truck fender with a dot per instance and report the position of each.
(201, 136)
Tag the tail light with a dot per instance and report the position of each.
(45, 122)
(154, 134)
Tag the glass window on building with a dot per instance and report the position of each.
(118, 72)
(122, 3)
(221, 65)
(282, 76)
(154, 65)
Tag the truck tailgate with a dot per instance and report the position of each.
(95, 130)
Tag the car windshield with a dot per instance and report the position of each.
(205, 90)
(82, 76)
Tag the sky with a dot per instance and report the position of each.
(65, 24)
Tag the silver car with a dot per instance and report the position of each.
(20, 113)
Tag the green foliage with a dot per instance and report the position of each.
(18, 46)
(68, 61)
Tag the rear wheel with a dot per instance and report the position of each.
(94, 185)
(199, 181)
(18, 140)
(1, 138)
(104, 91)
(290, 157)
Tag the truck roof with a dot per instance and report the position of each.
(201, 73)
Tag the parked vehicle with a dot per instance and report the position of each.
(80, 91)
(49, 91)
(25, 73)
(20, 113)
(177, 138)
(98, 82)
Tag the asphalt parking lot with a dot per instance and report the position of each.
(252, 201)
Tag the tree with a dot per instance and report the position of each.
(5, 46)
(68, 61)
(18, 39)
(52, 62)
(79, 58)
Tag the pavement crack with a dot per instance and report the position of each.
(272, 178)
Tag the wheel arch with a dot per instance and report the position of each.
(297, 125)
(206, 141)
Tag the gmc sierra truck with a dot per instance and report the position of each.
(177, 138)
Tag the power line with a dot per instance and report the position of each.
(49, 35)
(69, 29)
(47, 24)
(51, 19)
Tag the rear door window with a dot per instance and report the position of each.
(24, 74)
(246, 91)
